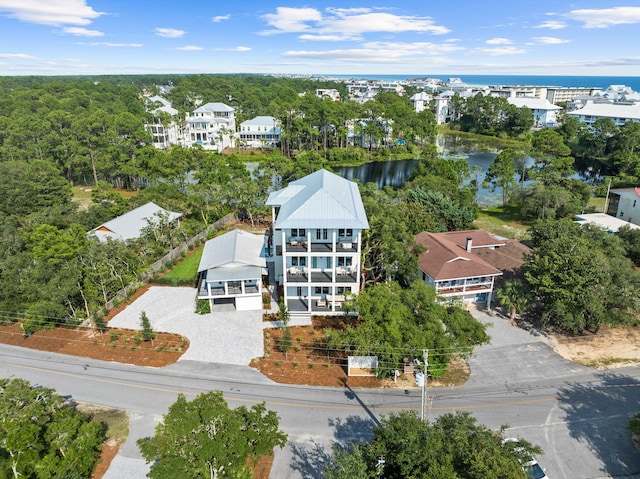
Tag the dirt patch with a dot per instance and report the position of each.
(609, 348)
(308, 362)
(115, 344)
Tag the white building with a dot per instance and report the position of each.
(544, 113)
(132, 225)
(317, 241)
(231, 270)
(260, 132)
(624, 203)
(421, 101)
(212, 126)
(328, 93)
(618, 112)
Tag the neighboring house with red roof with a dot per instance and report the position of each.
(465, 265)
(624, 203)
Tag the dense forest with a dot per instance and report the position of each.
(57, 133)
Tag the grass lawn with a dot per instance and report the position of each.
(186, 269)
(503, 221)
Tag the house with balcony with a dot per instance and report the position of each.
(453, 265)
(544, 112)
(211, 126)
(231, 269)
(260, 132)
(317, 242)
(619, 113)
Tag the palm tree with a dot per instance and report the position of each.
(514, 297)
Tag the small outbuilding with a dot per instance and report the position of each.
(231, 270)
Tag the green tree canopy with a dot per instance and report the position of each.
(42, 436)
(205, 439)
(396, 323)
(454, 446)
(573, 272)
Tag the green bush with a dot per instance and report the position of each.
(203, 306)
(634, 424)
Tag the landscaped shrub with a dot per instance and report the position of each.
(203, 306)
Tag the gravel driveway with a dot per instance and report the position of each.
(231, 337)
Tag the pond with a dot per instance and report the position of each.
(396, 173)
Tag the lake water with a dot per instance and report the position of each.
(396, 173)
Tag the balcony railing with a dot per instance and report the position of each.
(305, 275)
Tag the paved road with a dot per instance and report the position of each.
(578, 416)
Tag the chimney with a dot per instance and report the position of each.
(469, 243)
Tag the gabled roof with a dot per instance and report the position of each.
(130, 225)
(445, 259)
(608, 110)
(260, 120)
(167, 109)
(234, 255)
(627, 191)
(533, 103)
(214, 107)
(319, 200)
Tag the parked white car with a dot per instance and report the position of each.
(531, 467)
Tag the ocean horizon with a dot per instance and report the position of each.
(567, 81)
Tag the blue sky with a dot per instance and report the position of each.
(60, 37)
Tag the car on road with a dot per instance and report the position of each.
(531, 466)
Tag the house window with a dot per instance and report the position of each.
(621, 214)
(341, 290)
(298, 261)
(294, 232)
(321, 290)
(302, 232)
(321, 234)
(342, 261)
(634, 203)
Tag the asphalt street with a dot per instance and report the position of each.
(578, 416)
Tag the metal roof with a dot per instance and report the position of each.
(319, 200)
(233, 250)
(130, 225)
(533, 103)
(213, 107)
(608, 110)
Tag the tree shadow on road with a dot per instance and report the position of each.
(597, 414)
(310, 461)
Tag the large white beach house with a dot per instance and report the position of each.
(317, 236)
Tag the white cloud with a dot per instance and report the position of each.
(220, 18)
(50, 12)
(82, 32)
(348, 23)
(239, 48)
(499, 41)
(21, 56)
(552, 25)
(381, 52)
(169, 32)
(498, 51)
(328, 37)
(550, 40)
(189, 48)
(291, 19)
(109, 44)
(606, 17)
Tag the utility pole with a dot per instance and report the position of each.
(425, 398)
